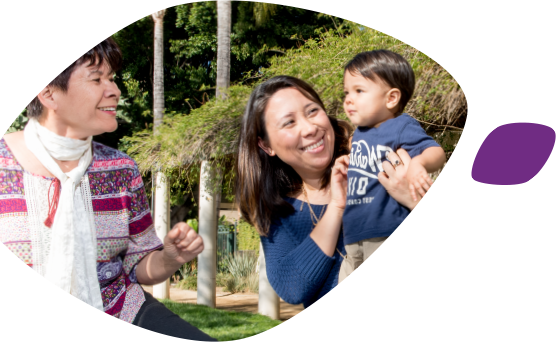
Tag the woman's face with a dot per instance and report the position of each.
(299, 133)
(89, 106)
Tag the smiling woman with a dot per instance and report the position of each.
(291, 185)
(76, 211)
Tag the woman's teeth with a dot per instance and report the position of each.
(108, 109)
(312, 147)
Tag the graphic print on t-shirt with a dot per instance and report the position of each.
(364, 162)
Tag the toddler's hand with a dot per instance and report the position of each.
(419, 179)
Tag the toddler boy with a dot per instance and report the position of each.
(377, 85)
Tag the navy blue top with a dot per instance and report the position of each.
(370, 212)
(297, 268)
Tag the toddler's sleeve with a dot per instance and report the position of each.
(296, 273)
(414, 139)
(142, 236)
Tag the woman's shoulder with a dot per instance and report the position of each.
(106, 158)
(7, 158)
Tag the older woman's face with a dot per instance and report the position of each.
(299, 133)
(89, 105)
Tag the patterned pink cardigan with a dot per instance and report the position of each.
(123, 222)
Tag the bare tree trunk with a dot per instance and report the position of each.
(158, 91)
(224, 11)
(162, 207)
(208, 198)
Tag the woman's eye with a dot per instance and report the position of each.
(287, 123)
(97, 80)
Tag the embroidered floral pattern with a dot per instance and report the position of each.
(122, 220)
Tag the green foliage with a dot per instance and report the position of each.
(193, 223)
(221, 279)
(220, 324)
(242, 264)
(243, 275)
(211, 131)
(19, 123)
(189, 283)
(248, 238)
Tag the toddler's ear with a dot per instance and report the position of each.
(265, 148)
(393, 97)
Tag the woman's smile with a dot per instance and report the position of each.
(316, 147)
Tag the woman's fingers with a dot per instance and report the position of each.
(182, 228)
(188, 239)
(394, 159)
(412, 192)
(406, 159)
(342, 164)
(388, 168)
(195, 245)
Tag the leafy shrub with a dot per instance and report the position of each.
(252, 282)
(242, 264)
(234, 284)
(248, 238)
(189, 283)
(221, 279)
(243, 274)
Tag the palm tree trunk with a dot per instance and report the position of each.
(161, 205)
(208, 197)
(224, 11)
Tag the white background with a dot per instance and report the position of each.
(505, 290)
(473, 262)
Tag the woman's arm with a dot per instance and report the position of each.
(395, 180)
(325, 234)
(295, 271)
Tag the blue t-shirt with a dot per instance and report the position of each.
(370, 212)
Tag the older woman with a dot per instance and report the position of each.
(292, 181)
(76, 210)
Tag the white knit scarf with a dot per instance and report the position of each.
(72, 261)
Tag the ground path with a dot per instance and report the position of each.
(243, 302)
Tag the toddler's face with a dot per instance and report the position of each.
(366, 102)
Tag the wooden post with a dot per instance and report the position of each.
(161, 226)
(206, 274)
(269, 302)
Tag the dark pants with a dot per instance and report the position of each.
(154, 316)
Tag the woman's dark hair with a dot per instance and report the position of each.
(263, 180)
(107, 51)
(388, 66)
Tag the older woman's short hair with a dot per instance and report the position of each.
(262, 180)
(107, 51)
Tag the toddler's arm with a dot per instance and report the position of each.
(419, 168)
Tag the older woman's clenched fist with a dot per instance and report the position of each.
(182, 244)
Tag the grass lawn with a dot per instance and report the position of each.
(220, 324)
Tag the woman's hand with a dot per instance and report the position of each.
(339, 182)
(182, 244)
(394, 180)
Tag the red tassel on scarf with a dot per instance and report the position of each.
(52, 207)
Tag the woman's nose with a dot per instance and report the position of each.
(112, 90)
(309, 128)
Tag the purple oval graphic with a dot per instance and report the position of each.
(513, 154)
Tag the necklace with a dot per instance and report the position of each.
(314, 217)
